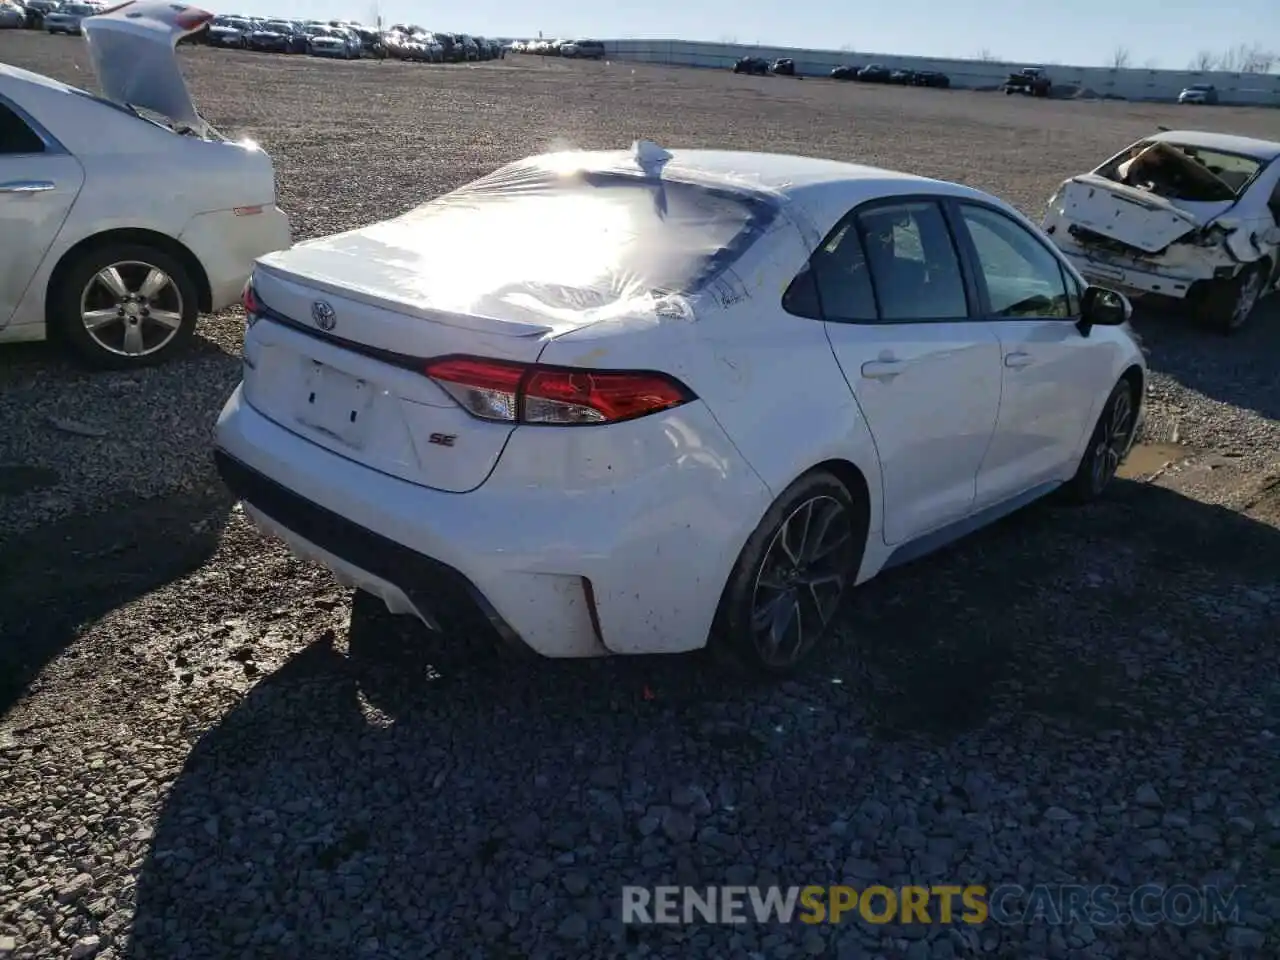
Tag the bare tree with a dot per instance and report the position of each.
(1204, 62)
(1151, 63)
(1257, 59)
(1232, 59)
(1120, 58)
(986, 56)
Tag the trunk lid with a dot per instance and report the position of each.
(133, 49)
(496, 269)
(1135, 217)
(336, 367)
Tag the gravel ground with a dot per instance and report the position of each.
(207, 752)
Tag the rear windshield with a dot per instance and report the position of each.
(581, 240)
(1200, 174)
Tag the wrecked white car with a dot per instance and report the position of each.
(1182, 214)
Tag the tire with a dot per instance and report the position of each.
(1109, 444)
(1228, 304)
(112, 346)
(765, 557)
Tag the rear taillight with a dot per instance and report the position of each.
(252, 305)
(565, 396)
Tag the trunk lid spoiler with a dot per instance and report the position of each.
(133, 49)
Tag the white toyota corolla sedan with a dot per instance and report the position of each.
(123, 216)
(642, 401)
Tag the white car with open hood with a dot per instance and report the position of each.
(1182, 214)
(123, 216)
(632, 401)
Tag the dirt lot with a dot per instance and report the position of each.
(204, 752)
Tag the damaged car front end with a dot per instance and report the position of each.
(1189, 215)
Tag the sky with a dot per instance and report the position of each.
(1162, 33)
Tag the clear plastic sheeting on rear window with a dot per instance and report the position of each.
(565, 238)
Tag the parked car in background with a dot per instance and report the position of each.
(504, 450)
(277, 36)
(784, 67)
(12, 16)
(1185, 214)
(754, 66)
(326, 41)
(931, 78)
(902, 78)
(36, 10)
(115, 259)
(229, 32)
(583, 50)
(875, 73)
(1205, 93)
(845, 73)
(68, 18)
(1030, 81)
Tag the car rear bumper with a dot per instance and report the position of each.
(615, 568)
(227, 246)
(1125, 276)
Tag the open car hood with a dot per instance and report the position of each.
(133, 49)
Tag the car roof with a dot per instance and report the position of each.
(1227, 142)
(772, 172)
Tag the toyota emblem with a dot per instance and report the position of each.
(323, 316)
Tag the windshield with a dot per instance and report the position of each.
(78, 10)
(581, 240)
(231, 24)
(278, 27)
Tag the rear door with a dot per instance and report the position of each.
(1052, 375)
(925, 373)
(39, 183)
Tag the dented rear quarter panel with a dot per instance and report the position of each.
(770, 379)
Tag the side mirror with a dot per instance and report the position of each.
(1100, 307)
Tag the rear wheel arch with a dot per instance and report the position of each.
(131, 235)
(725, 637)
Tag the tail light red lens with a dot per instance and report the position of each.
(249, 299)
(508, 392)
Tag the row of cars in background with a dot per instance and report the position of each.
(872, 73)
(573, 49)
(348, 39)
(55, 16)
(878, 73)
(340, 39)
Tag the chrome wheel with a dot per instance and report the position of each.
(1114, 437)
(1246, 299)
(131, 309)
(801, 580)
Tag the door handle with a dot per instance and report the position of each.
(882, 369)
(26, 186)
(1018, 359)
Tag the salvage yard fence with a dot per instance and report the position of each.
(1252, 89)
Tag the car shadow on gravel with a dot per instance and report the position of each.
(386, 789)
(58, 579)
(1240, 370)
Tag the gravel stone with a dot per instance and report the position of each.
(209, 749)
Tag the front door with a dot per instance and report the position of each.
(1052, 374)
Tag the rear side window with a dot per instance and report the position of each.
(914, 268)
(837, 284)
(16, 135)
